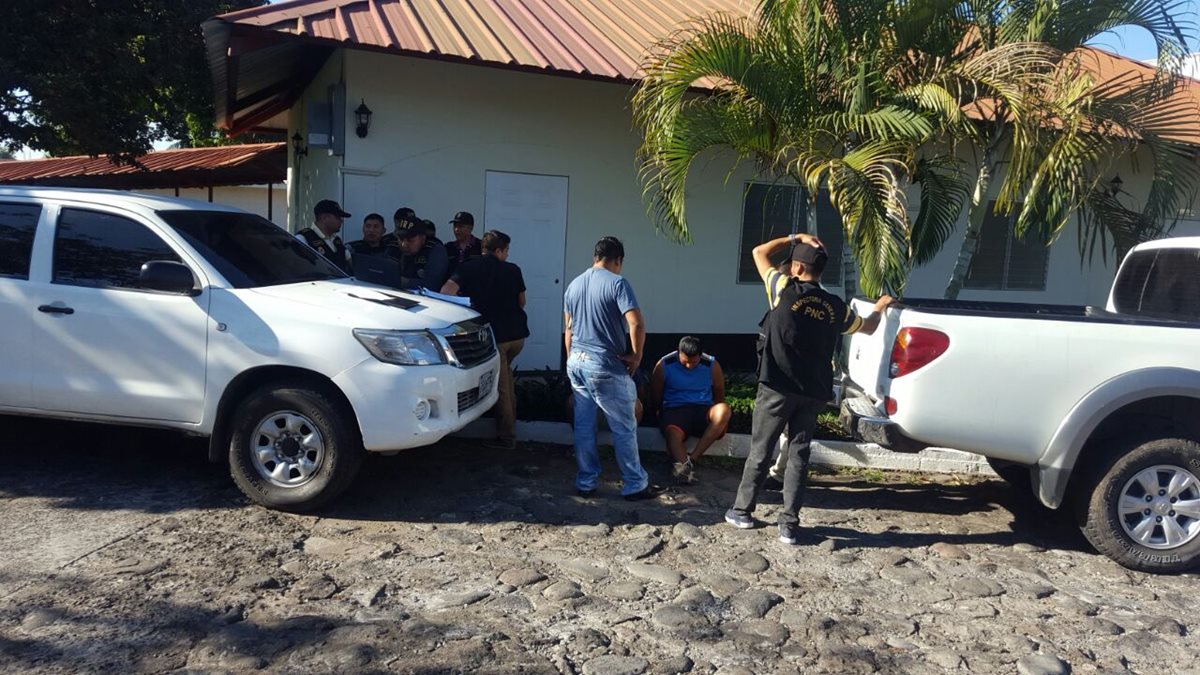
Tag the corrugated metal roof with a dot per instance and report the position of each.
(604, 39)
(190, 167)
(601, 38)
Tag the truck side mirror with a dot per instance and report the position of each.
(167, 276)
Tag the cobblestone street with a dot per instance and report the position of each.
(126, 552)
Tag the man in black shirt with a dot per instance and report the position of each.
(465, 245)
(795, 374)
(323, 235)
(372, 241)
(403, 218)
(497, 291)
(422, 262)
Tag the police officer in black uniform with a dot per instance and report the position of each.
(323, 235)
(795, 374)
(403, 218)
(372, 242)
(423, 263)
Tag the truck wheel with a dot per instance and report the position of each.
(1143, 511)
(1016, 475)
(294, 447)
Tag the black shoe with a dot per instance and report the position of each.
(772, 484)
(741, 521)
(648, 492)
(585, 493)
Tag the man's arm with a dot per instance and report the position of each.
(657, 384)
(637, 338)
(870, 323)
(521, 300)
(437, 267)
(567, 331)
(763, 252)
(718, 383)
(450, 288)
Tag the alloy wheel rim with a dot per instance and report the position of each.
(1160, 507)
(288, 450)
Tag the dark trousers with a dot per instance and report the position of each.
(774, 412)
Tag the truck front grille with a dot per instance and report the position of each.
(468, 399)
(472, 346)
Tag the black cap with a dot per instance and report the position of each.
(463, 217)
(329, 206)
(411, 228)
(803, 253)
(404, 213)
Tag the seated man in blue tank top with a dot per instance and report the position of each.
(688, 390)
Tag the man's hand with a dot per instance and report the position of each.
(884, 302)
(631, 361)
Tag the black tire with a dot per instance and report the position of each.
(1016, 475)
(341, 449)
(1098, 501)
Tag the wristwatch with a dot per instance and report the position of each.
(792, 239)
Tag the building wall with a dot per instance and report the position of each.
(438, 127)
(252, 198)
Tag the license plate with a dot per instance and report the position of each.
(486, 381)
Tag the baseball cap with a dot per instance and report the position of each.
(464, 217)
(411, 228)
(329, 206)
(803, 253)
(404, 213)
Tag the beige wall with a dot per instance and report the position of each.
(438, 127)
(252, 198)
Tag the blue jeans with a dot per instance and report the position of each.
(602, 383)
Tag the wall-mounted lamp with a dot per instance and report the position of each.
(1114, 186)
(298, 148)
(362, 119)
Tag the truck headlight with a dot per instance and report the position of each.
(402, 347)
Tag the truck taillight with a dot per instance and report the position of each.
(916, 348)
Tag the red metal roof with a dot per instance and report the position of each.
(603, 38)
(190, 167)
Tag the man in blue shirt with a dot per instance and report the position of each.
(688, 390)
(598, 306)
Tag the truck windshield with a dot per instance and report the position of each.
(1161, 283)
(248, 250)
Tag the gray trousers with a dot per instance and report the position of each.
(775, 412)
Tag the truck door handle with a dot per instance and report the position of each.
(55, 309)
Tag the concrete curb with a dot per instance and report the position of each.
(826, 453)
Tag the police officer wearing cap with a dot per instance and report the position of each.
(795, 373)
(465, 245)
(401, 219)
(323, 235)
(423, 263)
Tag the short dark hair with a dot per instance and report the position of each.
(374, 216)
(690, 345)
(609, 248)
(495, 240)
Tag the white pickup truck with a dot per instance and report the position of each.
(139, 310)
(1098, 409)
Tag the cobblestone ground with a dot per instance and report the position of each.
(123, 551)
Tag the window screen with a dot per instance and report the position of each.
(771, 210)
(1004, 262)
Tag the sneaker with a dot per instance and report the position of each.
(585, 493)
(741, 521)
(648, 492)
(772, 484)
(789, 533)
(690, 478)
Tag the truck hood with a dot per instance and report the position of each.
(359, 305)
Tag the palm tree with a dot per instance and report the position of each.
(872, 99)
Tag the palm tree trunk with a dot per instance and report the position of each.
(975, 218)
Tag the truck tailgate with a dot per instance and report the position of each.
(867, 356)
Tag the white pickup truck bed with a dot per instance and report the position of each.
(1068, 392)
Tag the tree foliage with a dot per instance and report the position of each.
(874, 100)
(106, 77)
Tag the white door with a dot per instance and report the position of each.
(532, 209)
(103, 346)
(18, 225)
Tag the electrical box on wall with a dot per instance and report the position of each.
(318, 124)
(337, 119)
